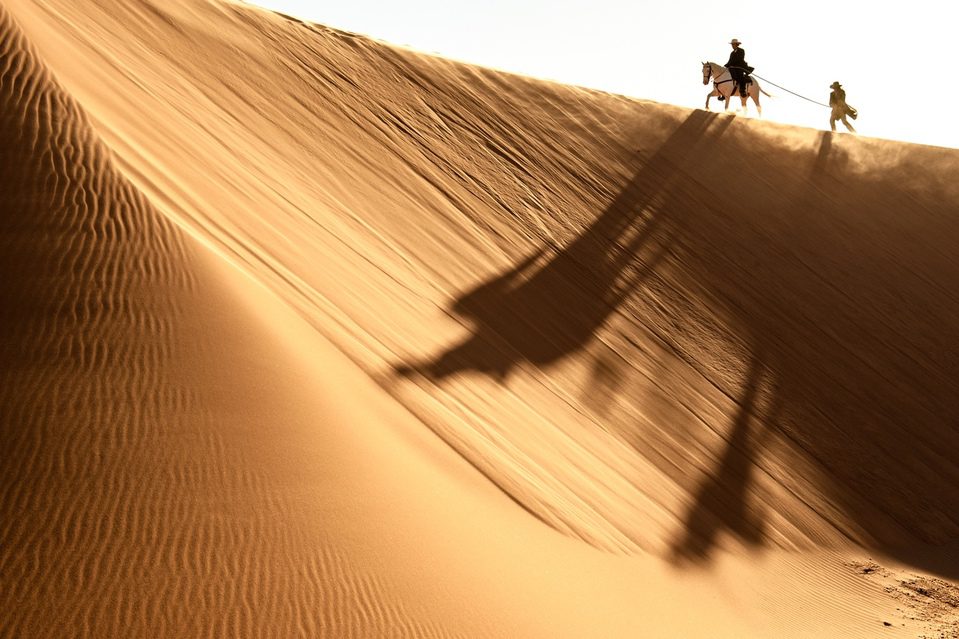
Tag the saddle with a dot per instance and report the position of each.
(745, 87)
(747, 79)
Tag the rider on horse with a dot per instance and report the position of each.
(737, 66)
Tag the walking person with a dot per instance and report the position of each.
(837, 100)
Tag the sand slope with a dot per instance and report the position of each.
(128, 416)
(252, 268)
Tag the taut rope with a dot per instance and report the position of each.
(756, 75)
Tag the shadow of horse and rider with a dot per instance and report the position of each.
(553, 302)
(851, 347)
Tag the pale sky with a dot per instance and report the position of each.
(898, 62)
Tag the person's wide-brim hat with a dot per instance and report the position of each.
(734, 41)
(834, 85)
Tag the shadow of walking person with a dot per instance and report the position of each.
(723, 500)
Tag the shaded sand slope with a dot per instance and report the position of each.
(654, 329)
(161, 469)
(180, 459)
(668, 328)
(135, 501)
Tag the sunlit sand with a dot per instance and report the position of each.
(308, 335)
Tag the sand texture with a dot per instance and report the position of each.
(304, 334)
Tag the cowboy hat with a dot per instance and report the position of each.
(835, 85)
(734, 41)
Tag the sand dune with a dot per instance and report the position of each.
(308, 335)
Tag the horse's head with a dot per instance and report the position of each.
(707, 71)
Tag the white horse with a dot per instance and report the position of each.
(724, 85)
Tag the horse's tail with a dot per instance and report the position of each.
(762, 90)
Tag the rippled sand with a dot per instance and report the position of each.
(308, 335)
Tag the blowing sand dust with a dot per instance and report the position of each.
(305, 335)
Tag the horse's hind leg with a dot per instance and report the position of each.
(759, 108)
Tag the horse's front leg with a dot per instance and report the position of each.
(726, 99)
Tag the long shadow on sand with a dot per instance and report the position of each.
(552, 303)
(835, 278)
(833, 281)
(722, 501)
